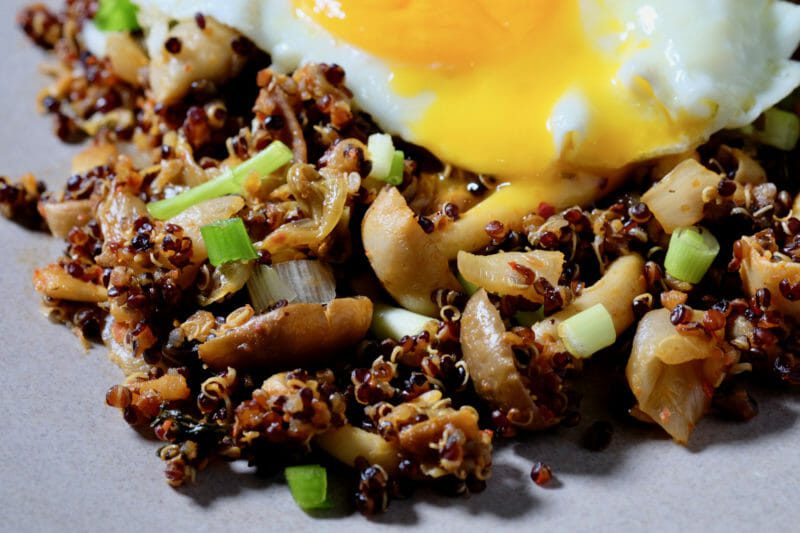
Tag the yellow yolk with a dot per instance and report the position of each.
(497, 70)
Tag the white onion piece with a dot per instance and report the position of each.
(266, 287)
(312, 281)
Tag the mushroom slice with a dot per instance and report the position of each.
(296, 335)
(405, 258)
(623, 281)
(490, 360)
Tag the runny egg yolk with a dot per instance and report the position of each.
(498, 72)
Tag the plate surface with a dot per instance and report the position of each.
(68, 462)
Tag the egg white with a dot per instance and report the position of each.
(720, 61)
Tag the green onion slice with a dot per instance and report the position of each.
(309, 486)
(395, 323)
(231, 181)
(588, 332)
(781, 129)
(117, 15)
(469, 287)
(395, 176)
(529, 318)
(691, 252)
(381, 153)
(227, 241)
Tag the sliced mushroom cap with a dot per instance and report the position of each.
(405, 258)
(490, 360)
(293, 336)
(622, 282)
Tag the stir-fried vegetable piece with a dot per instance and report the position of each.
(671, 374)
(267, 287)
(396, 323)
(265, 162)
(780, 129)
(395, 176)
(309, 486)
(677, 199)
(529, 318)
(117, 15)
(227, 241)
(302, 281)
(311, 281)
(381, 154)
(690, 254)
(588, 332)
(469, 287)
(512, 273)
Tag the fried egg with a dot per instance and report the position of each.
(520, 89)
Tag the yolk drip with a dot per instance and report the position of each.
(497, 69)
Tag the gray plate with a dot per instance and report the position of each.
(69, 462)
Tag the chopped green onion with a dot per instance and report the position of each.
(381, 153)
(529, 318)
(588, 332)
(469, 287)
(266, 287)
(309, 486)
(691, 252)
(117, 15)
(781, 129)
(228, 241)
(231, 181)
(396, 323)
(395, 176)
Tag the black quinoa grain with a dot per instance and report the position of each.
(426, 224)
(173, 45)
(334, 74)
(640, 212)
(726, 188)
(200, 19)
(680, 315)
(763, 297)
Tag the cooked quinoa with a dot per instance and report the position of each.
(215, 377)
